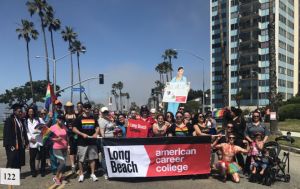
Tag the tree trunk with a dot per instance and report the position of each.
(53, 54)
(224, 62)
(167, 77)
(116, 102)
(272, 72)
(121, 104)
(78, 65)
(29, 70)
(71, 73)
(170, 60)
(46, 50)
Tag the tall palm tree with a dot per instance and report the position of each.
(170, 54)
(70, 36)
(159, 70)
(127, 97)
(78, 48)
(273, 77)
(40, 7)
(120, 86)
(53, 25)
(28, 32)
(225, 71)
(166, 69)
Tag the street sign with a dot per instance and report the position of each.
(78, 89)
(9, 176)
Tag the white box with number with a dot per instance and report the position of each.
(9, 176)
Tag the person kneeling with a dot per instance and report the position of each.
(227, 166)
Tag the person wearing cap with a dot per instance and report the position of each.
(36, 147)
(145, 116)
(87, 129)
(72, 137)
(173, 106)
(15, 138)
(60, 146)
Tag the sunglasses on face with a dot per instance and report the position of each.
(229, 127)
(178, 117)
(231, 137)
(255, 116)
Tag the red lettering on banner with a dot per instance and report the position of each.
(180, 99)
(137, 129)
(178, 159)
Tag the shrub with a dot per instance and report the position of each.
(289, 111)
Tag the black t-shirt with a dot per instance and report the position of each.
(87, 125)
(187, 130)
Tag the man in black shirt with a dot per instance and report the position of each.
(87, 129)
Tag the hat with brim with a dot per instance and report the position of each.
(17, 106)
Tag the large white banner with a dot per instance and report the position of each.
(176, 92)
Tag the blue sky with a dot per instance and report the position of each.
(124, 38)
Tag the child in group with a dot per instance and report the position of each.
(256, 148)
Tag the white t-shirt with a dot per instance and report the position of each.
(108, 127)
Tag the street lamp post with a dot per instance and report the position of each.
(54, 66)
(200, 58)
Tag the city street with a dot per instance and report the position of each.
(174, 183)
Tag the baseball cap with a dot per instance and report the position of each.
(104, 109)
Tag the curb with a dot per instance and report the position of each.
(292, 149)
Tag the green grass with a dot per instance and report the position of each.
(290, 125)
(1, 131)
(296, 144)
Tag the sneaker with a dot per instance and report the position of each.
(94, 178)
(105, 176)
(81, 178)
(56, 181)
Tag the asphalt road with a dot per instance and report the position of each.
(165, 183)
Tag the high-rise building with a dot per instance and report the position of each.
(240, 50)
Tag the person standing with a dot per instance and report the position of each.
(15, 138)
(36, 147)
(72, 137)
(173, 106)
(87, 129)
(60, 147)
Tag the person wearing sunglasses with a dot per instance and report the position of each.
(179, 128)
(227, 165)
(199, 125)
(169, 117)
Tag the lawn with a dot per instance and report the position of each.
(296, 144)
(290, 125)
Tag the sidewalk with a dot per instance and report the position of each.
(294, 134)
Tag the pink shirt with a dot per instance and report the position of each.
(62, 133)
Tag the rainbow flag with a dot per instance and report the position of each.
(88, 124)
(45, 132)
(219, 114)
(50, 97)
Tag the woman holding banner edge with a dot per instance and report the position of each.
(173, 106)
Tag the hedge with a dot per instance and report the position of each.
(289, 111)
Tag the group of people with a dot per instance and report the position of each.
(75, 134)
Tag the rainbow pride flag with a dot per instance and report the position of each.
(45, 132)
(50, 97)
(88, 124)
(219, 114)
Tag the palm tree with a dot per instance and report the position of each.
(78, 48)
(159, 69)
(225, 71)
(53, 25)
(166, 69)
(28, 32)
(40, 7)
(70, 36)
(127, 97)
(169, 54)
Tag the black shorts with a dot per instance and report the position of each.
(73, 145)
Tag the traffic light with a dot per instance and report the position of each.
(152, 91)
(101, 78)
